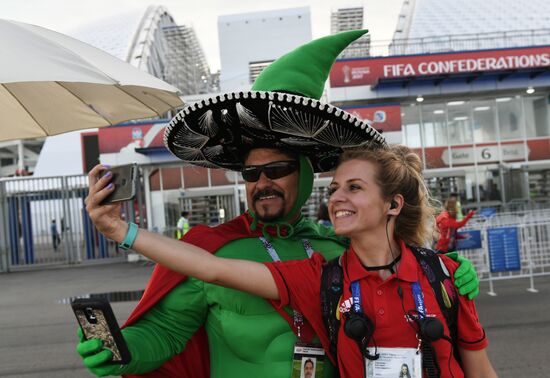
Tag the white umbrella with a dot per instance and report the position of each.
(51, 83)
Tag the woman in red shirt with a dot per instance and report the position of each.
(447, 226)
(378, 200)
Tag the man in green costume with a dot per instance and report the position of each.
(277, 135)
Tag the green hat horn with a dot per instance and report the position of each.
(305, 70)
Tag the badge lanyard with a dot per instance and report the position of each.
(273, 253)
(420, 307)
(298, 318)
(356, 297)
(418, 299)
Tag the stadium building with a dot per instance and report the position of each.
(468, 88)
(350, 18)
(249, 42)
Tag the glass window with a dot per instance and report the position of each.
(492, 189)
(460, 129)
(434, 124)
(172, 210)
(510, 118)
(411, 126)
(536, 116)
(484, 121)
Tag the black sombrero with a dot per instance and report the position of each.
(281, 111)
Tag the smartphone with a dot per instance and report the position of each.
(125, 179)
(97, 321)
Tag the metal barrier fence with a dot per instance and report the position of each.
(44, 222)
(513, 245)
(30, 237)
(464, 42)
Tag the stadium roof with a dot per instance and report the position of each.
(128, 36)
(427, 18)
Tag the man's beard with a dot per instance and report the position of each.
(266, 217)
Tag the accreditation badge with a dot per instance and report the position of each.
(308, 361)
(394, 362)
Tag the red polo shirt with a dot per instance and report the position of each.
(298, 283)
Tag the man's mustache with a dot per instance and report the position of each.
(265, 193)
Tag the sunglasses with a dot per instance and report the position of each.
(273, 171)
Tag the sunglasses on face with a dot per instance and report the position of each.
(273, 171)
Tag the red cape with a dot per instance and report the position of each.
(194, 361)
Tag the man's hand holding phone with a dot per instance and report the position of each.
(96, 358)
(102, 345)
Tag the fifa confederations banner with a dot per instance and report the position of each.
(369, 71)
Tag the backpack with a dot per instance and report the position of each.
(332, 278)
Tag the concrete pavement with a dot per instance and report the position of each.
(38, 334)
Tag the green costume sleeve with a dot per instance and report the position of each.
(466, 279)
(165, 329)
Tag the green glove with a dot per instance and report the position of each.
(96, 358)
(466, 279)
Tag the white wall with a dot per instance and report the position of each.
(260, 36)
(61, 155)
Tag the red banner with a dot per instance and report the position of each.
(383, 117)
(369, 71)
(539, 149)
(434, 157)
(114, 139)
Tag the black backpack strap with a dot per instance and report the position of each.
(441, 284)
(332, 281)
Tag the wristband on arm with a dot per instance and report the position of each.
(130, 238)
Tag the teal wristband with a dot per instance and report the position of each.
(130, 238)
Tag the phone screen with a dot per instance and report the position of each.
(125, 180)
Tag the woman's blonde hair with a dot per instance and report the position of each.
(400, 172)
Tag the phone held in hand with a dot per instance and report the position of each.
(97, 321)
(125, 180)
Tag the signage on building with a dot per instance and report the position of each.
(503, 249)
(370, 70)
(484, 154)
(384, 118)
(471, 239)
(440, 157)
(115, 139)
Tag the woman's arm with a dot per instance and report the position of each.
(179, 256)
(476, 364)
(182, 257)
(459, 224)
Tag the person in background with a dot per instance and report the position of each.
(459, 214)
(322, 215)
(447, 226)
(56, 240)
(183, 225)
